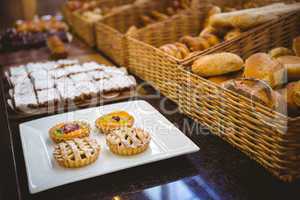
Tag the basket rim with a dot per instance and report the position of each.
(265, 108)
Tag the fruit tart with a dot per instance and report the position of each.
(128, 141)
(76, 153)
(109, 122)
(69, 130)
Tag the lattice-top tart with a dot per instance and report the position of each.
(69, 130)
(109, 122)
(128, 141)
(76, 153)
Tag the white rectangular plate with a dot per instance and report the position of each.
(44, 173)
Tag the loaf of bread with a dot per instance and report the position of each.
(291, 94)
(258, 91)
(280, 51)
(292, 66)
(261, 66)
(248, 18)
(296, 46)
(217, 64)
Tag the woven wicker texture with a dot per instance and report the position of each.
(85, 29)
(270, 138)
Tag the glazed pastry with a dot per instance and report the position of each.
(217, 64)
(280, 51)
(76, 153)
(292, 65)
(128, 141)
(109, 122)
(69, 130)
(232, 34)
(257, 91)
(296, 46)
(261, 66)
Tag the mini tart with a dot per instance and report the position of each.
(128, 141)
(109, 122)
(69, 130)
(76, 153)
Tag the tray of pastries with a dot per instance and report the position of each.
(73, 146)
(52, 86)
(26, 34)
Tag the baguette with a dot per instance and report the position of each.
(217, 64)
(248, 18)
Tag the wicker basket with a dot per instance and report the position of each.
(110, 32)
(270, 138)
(85, 29)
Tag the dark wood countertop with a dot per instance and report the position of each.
(217, 171)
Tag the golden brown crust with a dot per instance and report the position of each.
(261, 66)
(128, 141)
(57, 133)
(291, 94)
(77, 152)
(111, 121)
(195, 43)
(280, 51)
(232, 34)
(292, 65)
(258, 91)
(217, 64)
(296, 46)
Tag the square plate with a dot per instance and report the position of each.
(44, 173)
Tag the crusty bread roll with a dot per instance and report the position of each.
(296, 46)
(195, 43)
(211, 39)
(217, 64)
(232, 34)
(292, 65)
(291, 94)
(223, 78)
(258, 91)
(178, 50)
(261, 66)
(280, 51)
(212, 11)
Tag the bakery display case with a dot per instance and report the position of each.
(149, 99)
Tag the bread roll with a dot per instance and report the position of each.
(178, 50)
(292, 65)
(279, 51)
(257, 91)
(232, 34)
(195, 43)
(223, 78)
(212, 11)
(296, 46)
(261, 66)
(208, 30)
(291, 94)
(217, 64)
(211, 39)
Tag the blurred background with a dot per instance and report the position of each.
(11, 10)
